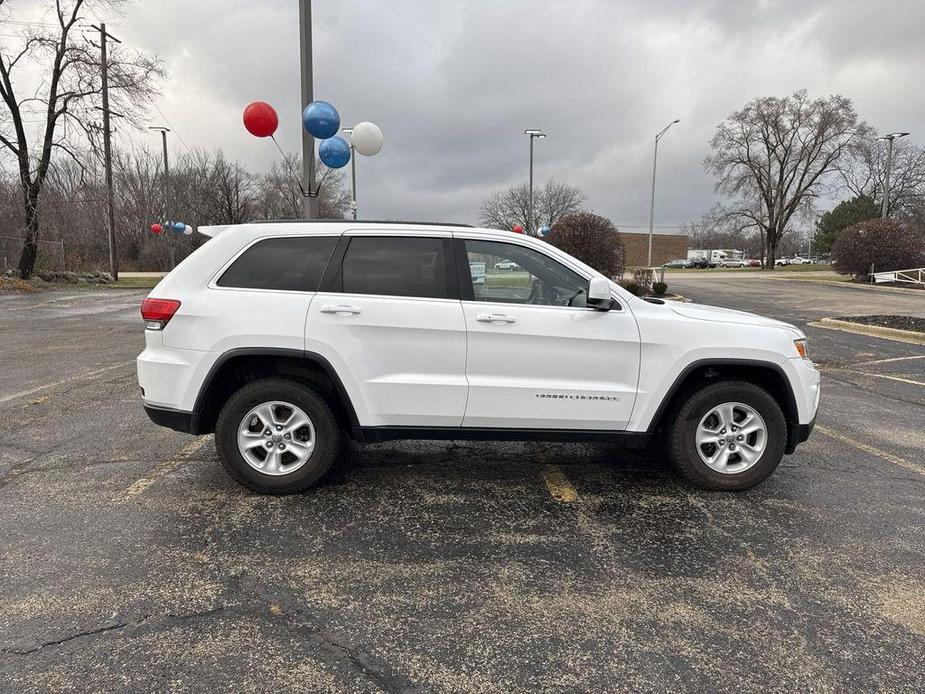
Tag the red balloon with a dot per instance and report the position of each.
(156, 228)
(260, 119)
(518, 229)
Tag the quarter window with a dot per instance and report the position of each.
(395, 266)
(293, 264)
(513, 274)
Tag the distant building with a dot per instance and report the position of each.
(666, 246)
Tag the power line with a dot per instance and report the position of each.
(172, 127)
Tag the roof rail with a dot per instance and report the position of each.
(361, 221)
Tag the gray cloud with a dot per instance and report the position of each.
(453, 85)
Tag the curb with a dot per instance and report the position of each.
(852, 285)
(871, 330)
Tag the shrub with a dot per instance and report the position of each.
(885, 243)
(592, 239)
(633, 287)
(659, 288)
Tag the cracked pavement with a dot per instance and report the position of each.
(130, 562)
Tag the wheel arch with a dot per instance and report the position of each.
(765, 374)
(237, 367)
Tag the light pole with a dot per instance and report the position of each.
(309, 203)
(652, 199)
(885, 206)
(353, 172)
(533, 133)
(171, 261)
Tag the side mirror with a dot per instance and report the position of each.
(599, 296)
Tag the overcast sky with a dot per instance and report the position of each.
(453, 84)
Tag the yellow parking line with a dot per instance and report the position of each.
(558, 484)
(160, 470)
(872, 450)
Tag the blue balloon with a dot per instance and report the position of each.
(334, 152)
(543, 231)
(321, 120)
(179, 227)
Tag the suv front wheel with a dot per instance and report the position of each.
(728, 436)
(277, 436)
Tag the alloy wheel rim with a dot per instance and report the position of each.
(731, 438)
(276, 438)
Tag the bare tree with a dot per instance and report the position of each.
(233, 191)
(774, 157)
(550, 202)
(280, 193)
(69, 83)
(864, 168)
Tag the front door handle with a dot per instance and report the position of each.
(340, 309)
(495, 318)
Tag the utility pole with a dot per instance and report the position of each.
(353, 172)
(107, 151)
(652, 198)
(885, 205)
(171, 257)
(532, 133)
(309, 203)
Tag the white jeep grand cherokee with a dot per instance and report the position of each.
(282, 338)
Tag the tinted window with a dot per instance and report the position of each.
(513, 274)
(296, 264)
(395, 266)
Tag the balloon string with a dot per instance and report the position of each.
(288, 164)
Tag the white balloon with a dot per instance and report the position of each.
(366, 138)
(188, 231)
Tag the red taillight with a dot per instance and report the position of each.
(157, 312)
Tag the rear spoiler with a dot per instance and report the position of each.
(211, 231)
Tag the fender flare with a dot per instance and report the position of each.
(312, 357)
(792, 415)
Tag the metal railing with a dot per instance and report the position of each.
(912, 276)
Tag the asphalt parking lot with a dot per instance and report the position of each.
(130, 562)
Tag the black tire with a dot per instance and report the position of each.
(682, 443)
(327, 436)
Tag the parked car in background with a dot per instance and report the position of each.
(753, 262)
(680, 263)
(733, 262)
(700, 263)
(284, 339)
(782, 261)
(507, 266)
(799, 260)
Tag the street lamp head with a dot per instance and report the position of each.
(159, 128)
(892, 136)
(347, 131)
(534, 132)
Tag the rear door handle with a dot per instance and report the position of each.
(495, 318)
(340, 309)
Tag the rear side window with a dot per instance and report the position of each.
(294, 264)
(395, 266)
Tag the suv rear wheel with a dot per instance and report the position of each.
(728, 436)
(277, 436)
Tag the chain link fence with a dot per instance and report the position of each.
(51, 255)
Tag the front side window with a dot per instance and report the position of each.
(395, 266)
(512, 274)
(294, 264)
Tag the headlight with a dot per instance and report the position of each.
(802, 347)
